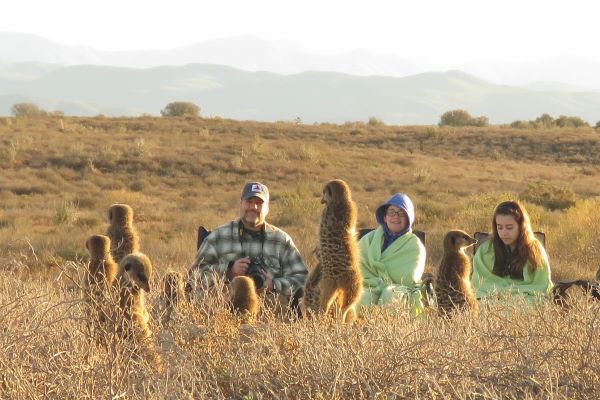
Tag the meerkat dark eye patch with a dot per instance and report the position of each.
(127, 267)
(142, 278)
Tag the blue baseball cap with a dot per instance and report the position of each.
(255, 189)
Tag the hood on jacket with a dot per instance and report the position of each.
(402, 201)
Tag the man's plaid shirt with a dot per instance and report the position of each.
(282, 258)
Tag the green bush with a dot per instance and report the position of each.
(374, 121)
(551, 197)
(480, 121)
(521, 124)
(545, 121)
(564, 121)
(461, 118)
(28, 110)
(181, 109)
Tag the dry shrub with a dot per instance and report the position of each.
(550, 196)
(510, 351)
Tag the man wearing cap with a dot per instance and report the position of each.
(240, 246)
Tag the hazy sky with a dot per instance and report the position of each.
(443, 31)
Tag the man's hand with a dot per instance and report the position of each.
(239, 267)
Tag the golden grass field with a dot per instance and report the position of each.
(60, 175)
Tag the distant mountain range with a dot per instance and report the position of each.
(39, 71)
(312, 96)
(248, 53)
(251, 53)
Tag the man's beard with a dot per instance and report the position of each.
(253, 219)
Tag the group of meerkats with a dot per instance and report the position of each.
(114, 285)
(118, 268)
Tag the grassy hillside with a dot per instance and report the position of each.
(88, 90)
(59, 176)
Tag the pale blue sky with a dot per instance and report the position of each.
(441, 31)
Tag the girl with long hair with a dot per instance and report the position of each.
(513, 262)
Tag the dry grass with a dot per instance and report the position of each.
(507, 352)
(60, 176)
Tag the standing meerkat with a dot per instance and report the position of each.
(453, 288)
(123, 236)
(243, 297)
(311, 299)
(102, 269)
(135, 273)
(98, 279)
(173, 288)
(341, 280)
(173, 292)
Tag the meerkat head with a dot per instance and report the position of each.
(335, 191)
(120, 214)
(137, 270)
(242, 285)
(243, 294)
(98, 246)
(457, 240)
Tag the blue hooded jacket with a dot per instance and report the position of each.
(402, 201)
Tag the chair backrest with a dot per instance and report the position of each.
(484, 236)
(202, 234)
(364, 231)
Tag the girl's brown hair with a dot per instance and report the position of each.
(527, 247)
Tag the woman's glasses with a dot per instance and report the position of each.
(392, 213)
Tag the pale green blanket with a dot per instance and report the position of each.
(393, 276)
(534, 286)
